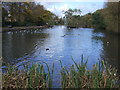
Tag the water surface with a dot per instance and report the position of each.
(60, 43)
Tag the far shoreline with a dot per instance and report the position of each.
(7, 29)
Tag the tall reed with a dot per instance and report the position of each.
(78, 76)
(31, 76)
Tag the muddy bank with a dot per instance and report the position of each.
(7, 29)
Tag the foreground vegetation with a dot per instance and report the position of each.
(77, 76)
(31, 76)
(101, 76)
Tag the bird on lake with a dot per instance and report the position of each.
(47, 49)
(63, 36)
(108, 43)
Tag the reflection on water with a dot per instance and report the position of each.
(18, 45)
(60, 43)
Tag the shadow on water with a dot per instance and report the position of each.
(20, 45)
(111, 42)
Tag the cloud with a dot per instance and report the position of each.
(58, 8)
(71, 0)
(90, 7)
(64, 7)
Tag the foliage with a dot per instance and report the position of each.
(111, 15)
(25, 14)
(77, 76)
(30, 13)
(31, 76)
(86, 20)
(4, 15)
(106, 18)
(98, 19)
(72, 17)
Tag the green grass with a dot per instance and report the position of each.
(76, 76)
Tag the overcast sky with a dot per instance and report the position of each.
(59, 6)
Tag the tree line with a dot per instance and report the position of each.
(30, 13)
(26, 14)
(106, 18)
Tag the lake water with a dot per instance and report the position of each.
(59, 43)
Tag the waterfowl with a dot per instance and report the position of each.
(47, 49)
(63, 36)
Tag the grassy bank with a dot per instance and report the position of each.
(76, 76)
